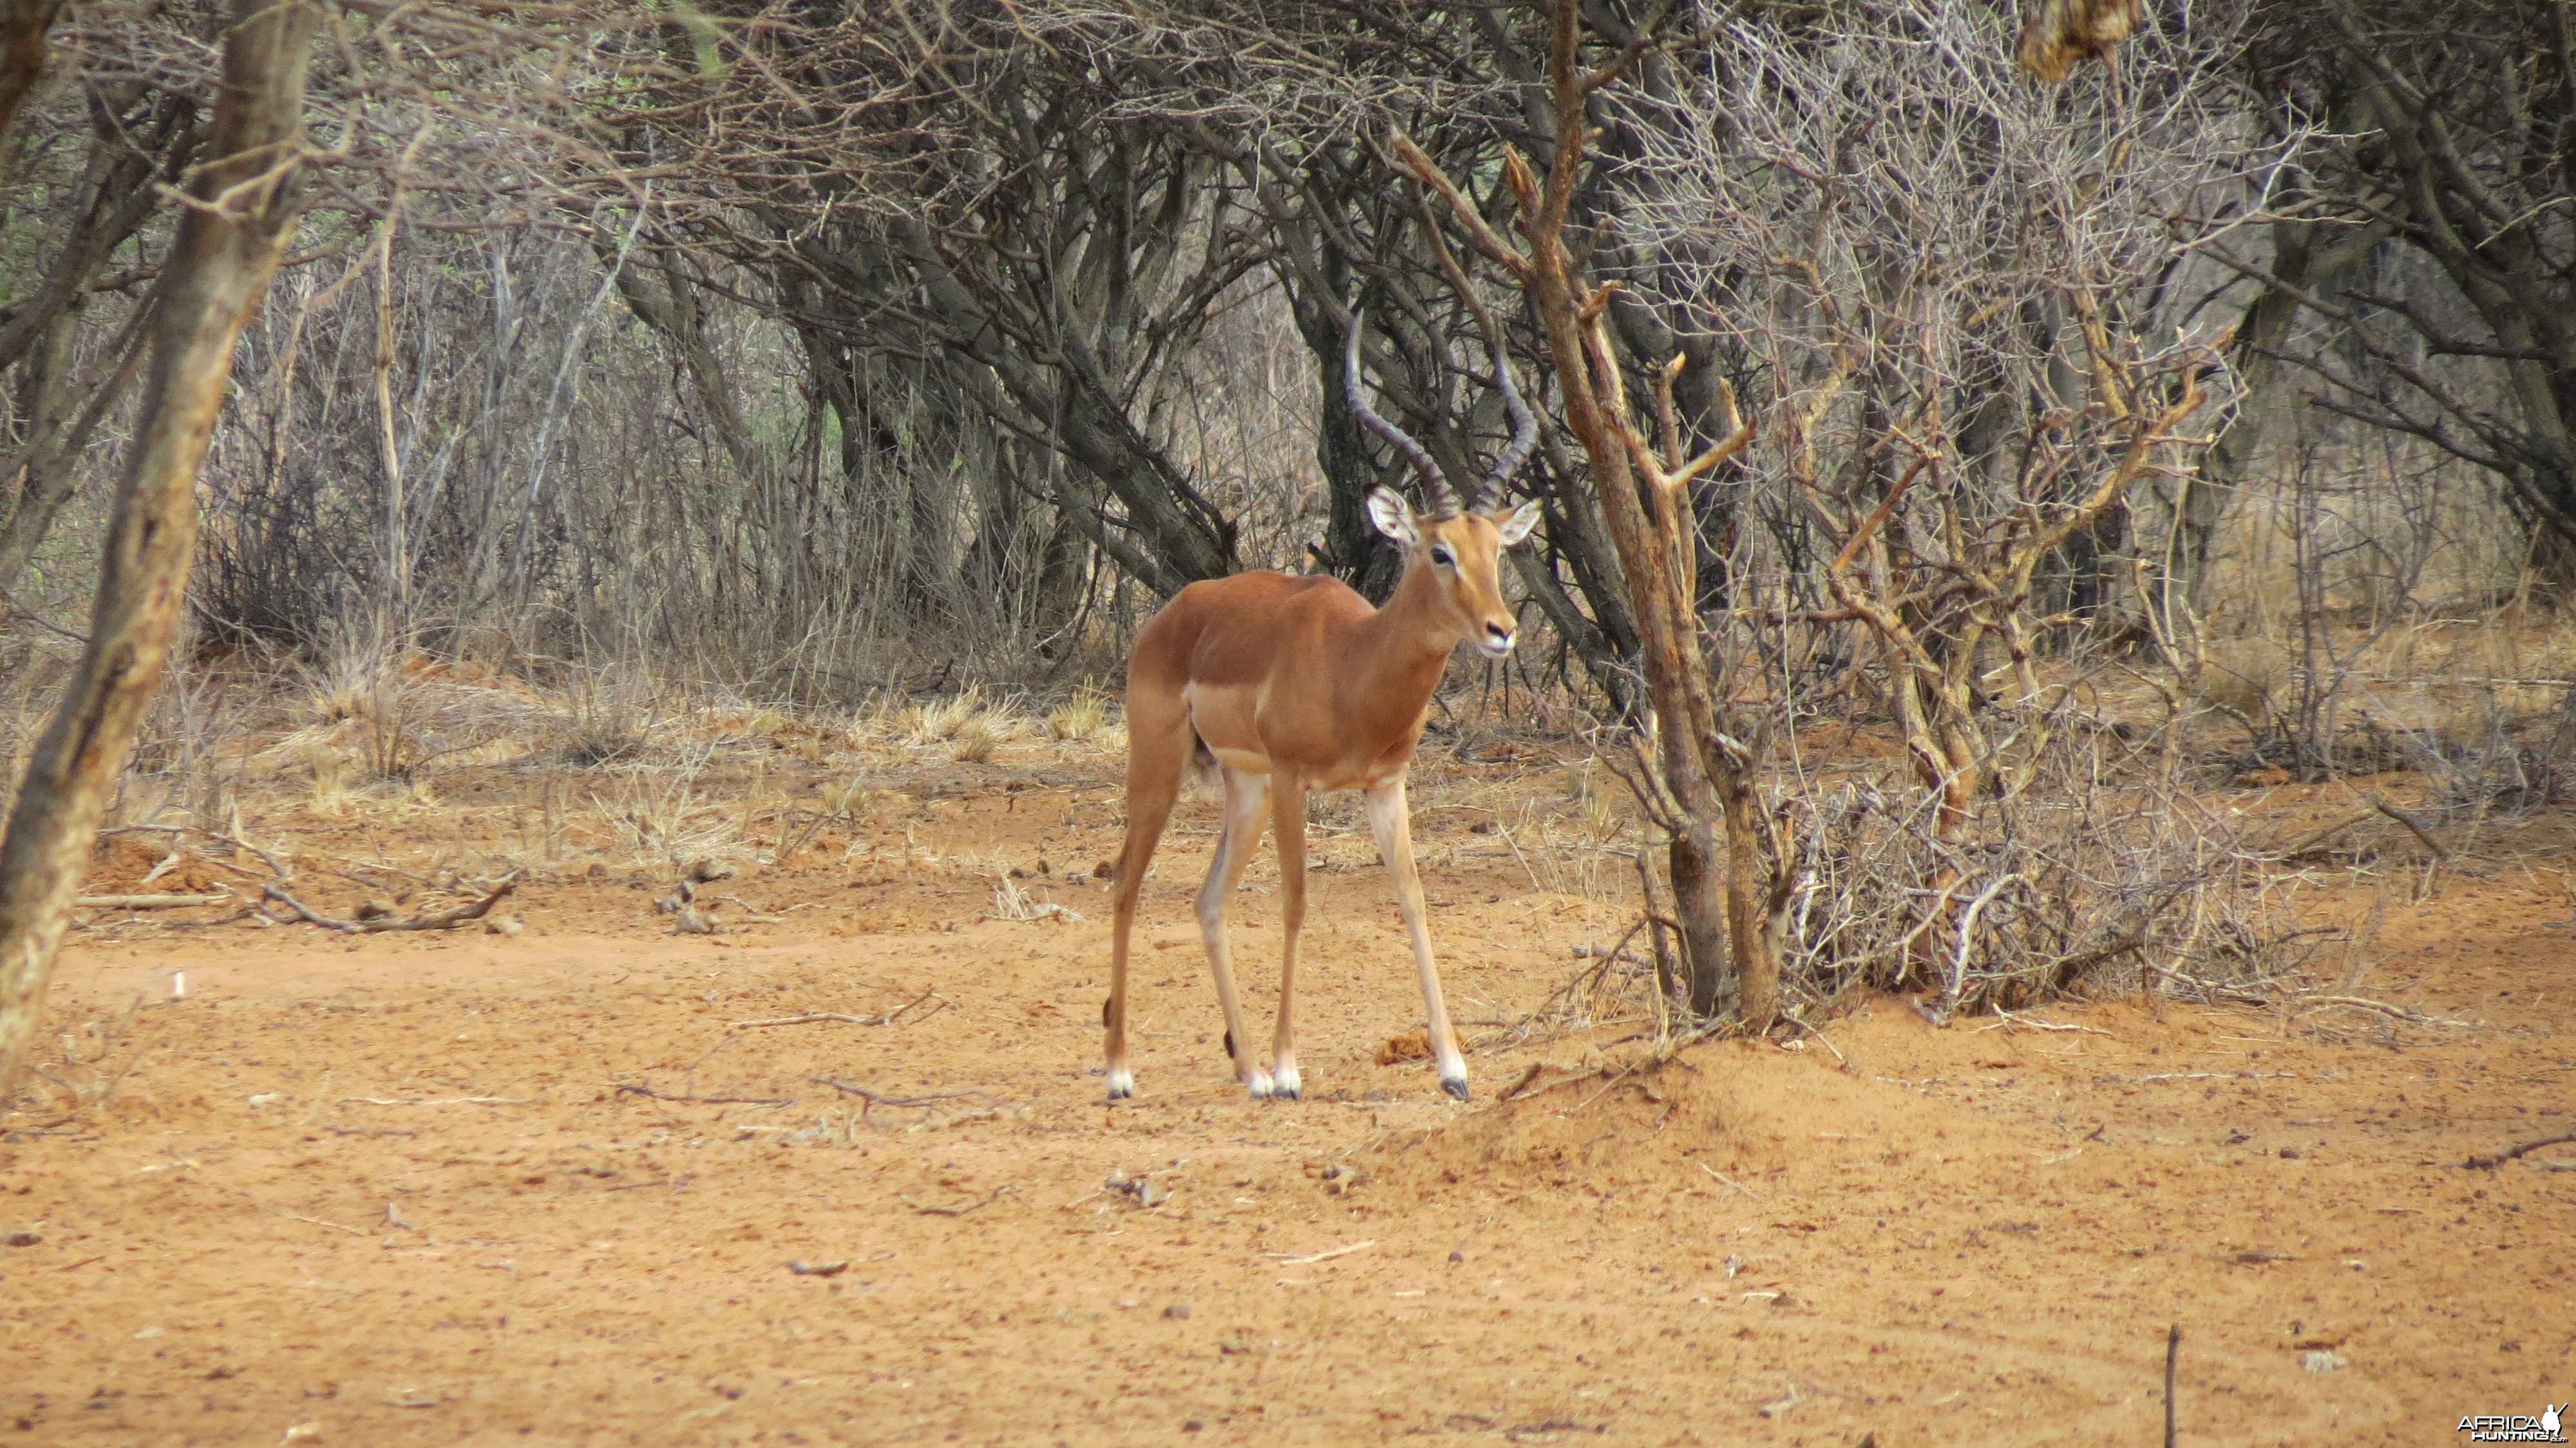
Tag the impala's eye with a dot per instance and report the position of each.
(1444, 557)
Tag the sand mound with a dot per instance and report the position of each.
(1712, 1114)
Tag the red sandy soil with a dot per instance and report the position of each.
(398, 1188)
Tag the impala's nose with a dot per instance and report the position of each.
(1498, 639)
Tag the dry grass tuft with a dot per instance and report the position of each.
(940, 721)
(1011, 902)
(1080, 719)
(847, 798)
(974, 741)
(329, 796)
(601, 728)
(659, 814)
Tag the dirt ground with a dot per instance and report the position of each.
(557, 1187)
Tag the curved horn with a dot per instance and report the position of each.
(1444, 503)
(1489, 493)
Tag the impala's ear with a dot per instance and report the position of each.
(1393, 517)
(1517, 524)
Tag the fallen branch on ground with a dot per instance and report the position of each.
(986, 1200)
(875, 1099)
(443, 920)
(2197, 1076)
(2360, 1003)
(444, 1101)
(1300, 1259)
(625, 1089)
(1724, 1180)
(812, 1017)
(149, 902)
(317, 1221)
(2316, 837)
(2490, 1163)
(2413, 825)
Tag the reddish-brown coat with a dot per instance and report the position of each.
(1301, 674)
(1296, 685)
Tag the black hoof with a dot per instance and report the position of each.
(1286, 1093)
(1117, 1095)
(1455, 1086)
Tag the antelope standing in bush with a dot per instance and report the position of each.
(1286, 686)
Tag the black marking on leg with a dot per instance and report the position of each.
(1229, 1045)
(1104, 1014)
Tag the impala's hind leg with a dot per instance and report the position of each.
(1247, 805)
(1288, 819)
(1391, 821)
(1158, 750)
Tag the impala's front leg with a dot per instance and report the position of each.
(1288, 815)
(1247, 799)
(1391, 821)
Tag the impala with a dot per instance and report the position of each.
(1285, 686)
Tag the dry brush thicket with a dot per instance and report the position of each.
(2084, 446)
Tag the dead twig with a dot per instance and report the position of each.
(2316, 837)
(2173, 1352)
(2415, 826)
(443, 1101)
(875, 1099)
(986, 1200)
(2197, 1076)
(1724, 1180)
(629, 1089)
(1529, 1074)
(814, 1017)
(2490, 1163)
(1300, 1259)
(149, 902)
(2007, 1020)
(317, 1221)
(2363, 1003)
(1839, 1059)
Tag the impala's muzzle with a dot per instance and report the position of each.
(1496, 640)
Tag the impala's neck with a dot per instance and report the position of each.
(1407, 642)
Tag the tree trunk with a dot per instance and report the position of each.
(1703, 770)
(229, 240)
(2300, 268)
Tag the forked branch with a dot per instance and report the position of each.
(442, 920)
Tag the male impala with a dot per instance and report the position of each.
(1291, 685)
